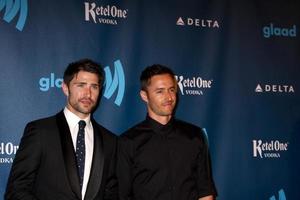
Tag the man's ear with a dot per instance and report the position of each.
(65, 89)
(144, 96)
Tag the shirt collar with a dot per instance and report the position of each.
(73, 119)
(160, 128)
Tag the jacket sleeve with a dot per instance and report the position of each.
(205, 180)
(25, 166)
(124, 168)
(111, 187)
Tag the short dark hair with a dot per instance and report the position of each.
(151, 71)
(86, 65)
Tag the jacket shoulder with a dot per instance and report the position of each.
(104, 131)
(190, 129)
(135, 130)
(43, 122)
(187, 125)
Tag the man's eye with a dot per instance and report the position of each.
(95, 87)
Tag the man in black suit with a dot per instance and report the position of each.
(68, 156)
(163, 157)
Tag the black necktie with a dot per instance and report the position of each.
(80, 151)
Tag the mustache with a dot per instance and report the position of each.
(86, 99)
(168, 102)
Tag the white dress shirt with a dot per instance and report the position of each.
(73, 120)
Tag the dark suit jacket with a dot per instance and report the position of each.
(45, 167)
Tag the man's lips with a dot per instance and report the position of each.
(86, 101)
(169, 103)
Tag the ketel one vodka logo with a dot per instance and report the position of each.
(193, 86)
(14, 8)
(104, 14)
(7, 152)
(272, 149)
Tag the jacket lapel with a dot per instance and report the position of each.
(68, 153)
(97, 164)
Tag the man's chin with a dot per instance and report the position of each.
(168, 111)
(166, 114)
(86, 110)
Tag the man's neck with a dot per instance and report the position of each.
(160, 119)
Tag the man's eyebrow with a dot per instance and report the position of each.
(80, 82)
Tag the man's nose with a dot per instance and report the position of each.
(87, 91)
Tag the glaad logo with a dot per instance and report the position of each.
(7, 150)
(104, 14)
(274, 88)
(51, 82)
(281, 195)
(269, 149)
(206, 135)
(203, 23)
(193, 86)
(111, 83)
(270, 30)
(12, 7)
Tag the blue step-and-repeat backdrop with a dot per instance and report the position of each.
(237, 64)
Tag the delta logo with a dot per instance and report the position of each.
(274, 88)
(113, 83)
(108, 14)
(195, 22)
(12, 9)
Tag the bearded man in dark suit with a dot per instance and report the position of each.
(68, 156)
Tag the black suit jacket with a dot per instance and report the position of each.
(45, 166)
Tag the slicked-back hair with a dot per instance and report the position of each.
(85, 65)
(150, 71)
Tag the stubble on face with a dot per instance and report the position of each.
(160, 97)
(82, 92)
